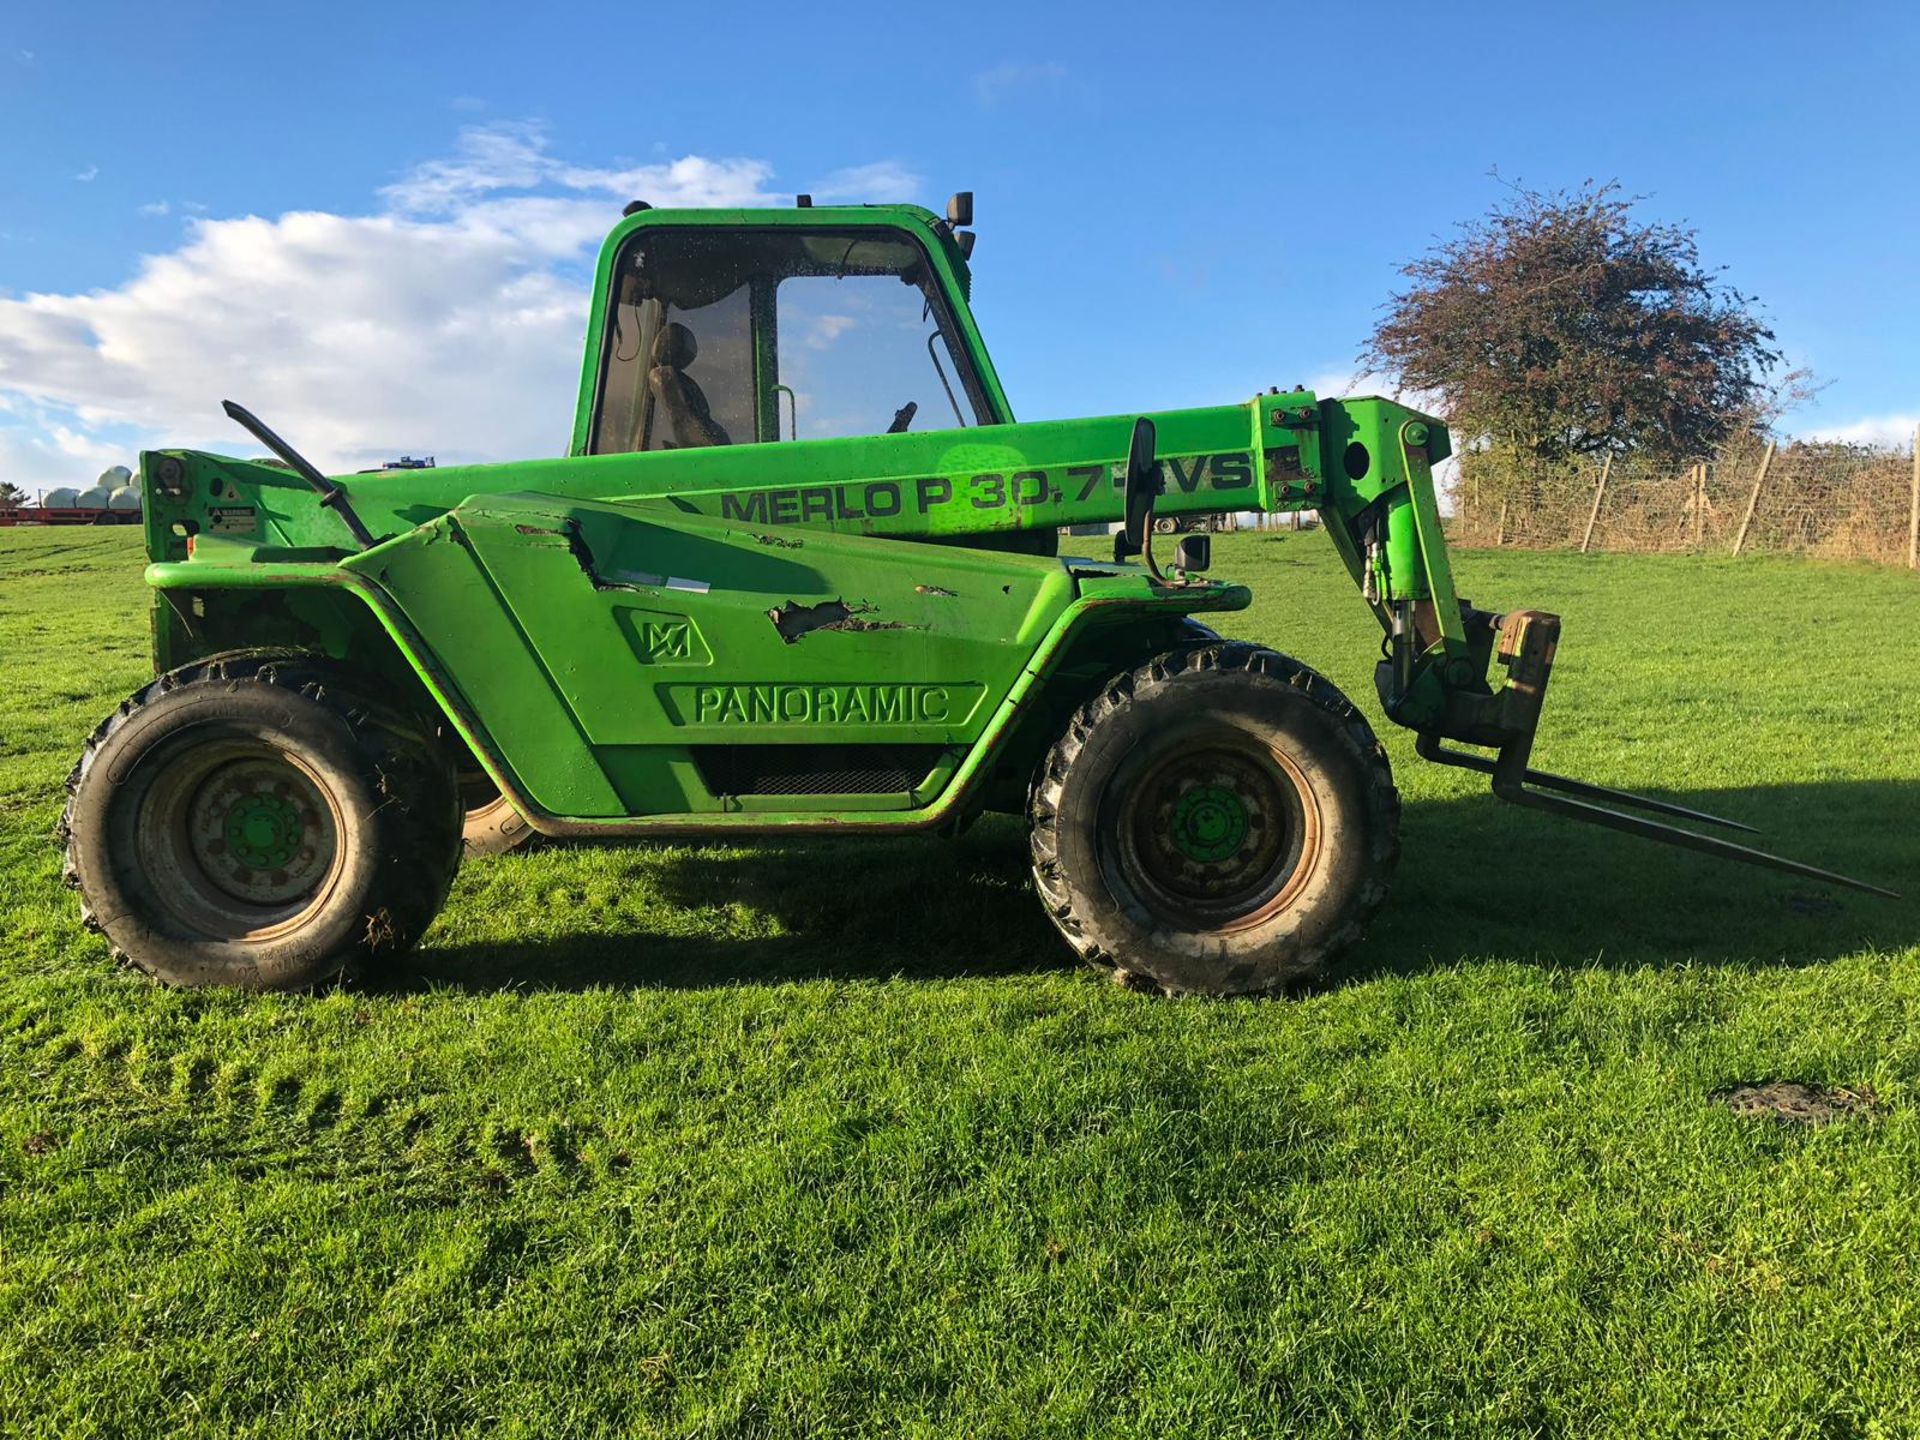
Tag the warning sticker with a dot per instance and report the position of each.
(233, 520)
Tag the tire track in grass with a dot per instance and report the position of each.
(301, 1121)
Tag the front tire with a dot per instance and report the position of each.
(1221, 821)
(259, 821)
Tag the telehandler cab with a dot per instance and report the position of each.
(796, 574)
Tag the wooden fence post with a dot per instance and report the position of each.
(1753, 500)
(1599, 494)
(1699, 503)
(1500, 534)
(1913, 508)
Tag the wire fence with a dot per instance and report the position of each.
(1791, 497)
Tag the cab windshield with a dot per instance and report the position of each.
(723, 336)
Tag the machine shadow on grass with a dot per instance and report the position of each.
(1477, 881)
(767, 912)
(1481, 880)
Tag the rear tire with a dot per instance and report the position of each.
(492, 826)
(259, 821)
(1221, 821)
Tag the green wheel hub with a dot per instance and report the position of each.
(1209, 823)
(1211, 829)
(258, 831)
(263, 831)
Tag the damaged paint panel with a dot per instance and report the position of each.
(795, 621)
(629, 580)
(583, 557)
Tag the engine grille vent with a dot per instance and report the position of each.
(814, 769)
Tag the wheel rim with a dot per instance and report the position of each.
(240, 838)
(1214, 831)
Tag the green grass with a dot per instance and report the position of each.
(789, 1139)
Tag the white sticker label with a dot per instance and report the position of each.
(233, 520)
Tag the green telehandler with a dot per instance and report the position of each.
(798, 573)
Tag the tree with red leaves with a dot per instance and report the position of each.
(1559, 325)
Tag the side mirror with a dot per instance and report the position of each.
(1143, 487)
(1194, 553)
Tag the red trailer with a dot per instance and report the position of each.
(66, 515)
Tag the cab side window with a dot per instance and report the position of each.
(680, 372)
(723, 335)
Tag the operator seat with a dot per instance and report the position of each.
(677, 394)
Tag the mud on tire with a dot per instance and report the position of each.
(260, 821)
(1220, 821)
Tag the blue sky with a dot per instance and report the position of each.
(372, 223)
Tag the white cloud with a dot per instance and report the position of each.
(155, 207)
(1887, 431)
(40, 450)
(1018, 79)
(447, 322)
(487, 158)
(823, 330)
(90, 173)
(690, 180)
(886, 182)
(490, 159)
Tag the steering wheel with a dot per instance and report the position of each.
(903, 417)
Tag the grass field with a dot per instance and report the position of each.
(819, 1140)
